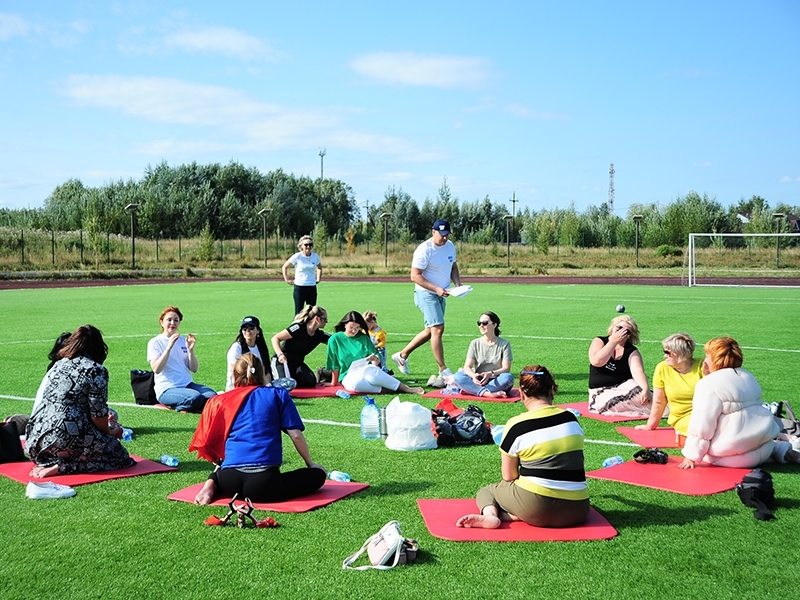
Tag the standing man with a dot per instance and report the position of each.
(432, 269)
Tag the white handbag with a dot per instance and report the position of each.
(386, 549)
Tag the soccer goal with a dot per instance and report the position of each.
(743, 259)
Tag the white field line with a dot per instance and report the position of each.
(315, 421)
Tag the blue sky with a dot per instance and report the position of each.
(531, 98)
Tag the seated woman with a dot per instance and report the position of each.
(250, 339)
(617, 382)
(673, 385)
(297, 341)
(351, 343)
(729, 426)
(240, 431)
(69, 430)
(487, 370)
(172, 358)
(544, 483)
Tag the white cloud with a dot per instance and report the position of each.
(240, 122)
(411, 68)
(11, 25)
(221, 40)
(789, 179)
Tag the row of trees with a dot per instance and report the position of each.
(223, 202)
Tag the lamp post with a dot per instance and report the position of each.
(264, 212)
(132, 208)
(778, 216)
(637, 219)
(508, 219)
(385, 216)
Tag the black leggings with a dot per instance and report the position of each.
(268, 486)
(302, 374)
(304, 294)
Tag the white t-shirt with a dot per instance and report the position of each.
(435, 261)
(176, 373)
(234, 352)
(305, 268)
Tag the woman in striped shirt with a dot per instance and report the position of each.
(544, 483)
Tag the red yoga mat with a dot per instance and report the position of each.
(19, 471)
(703, 480)
(583, 408)
(660, 437)
(329, 493)
(440, 518)
(318, 392)
(513, 396)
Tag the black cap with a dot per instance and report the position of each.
(251, 321)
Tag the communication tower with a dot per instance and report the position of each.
(611, 190)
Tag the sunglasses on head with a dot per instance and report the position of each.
(484, 323)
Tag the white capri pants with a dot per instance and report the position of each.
(370, 379)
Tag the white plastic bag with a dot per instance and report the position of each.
(408, 426)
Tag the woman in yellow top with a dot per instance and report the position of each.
(673, 385)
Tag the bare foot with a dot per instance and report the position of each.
(41, 472)
(206, 493)
(416, 390)
(500, 394)
(479, 521)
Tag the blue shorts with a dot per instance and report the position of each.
(432, 307)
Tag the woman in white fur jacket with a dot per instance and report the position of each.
(729, 426)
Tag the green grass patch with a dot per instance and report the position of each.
(123, 539)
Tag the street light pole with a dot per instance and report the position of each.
(264, 212)
(132, 208)
(778, 216)
(508, 219)
(385, 216)
(637, 219)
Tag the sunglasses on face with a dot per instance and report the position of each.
(668, 352)
(308, 245)
(484, 323)
(248, 327)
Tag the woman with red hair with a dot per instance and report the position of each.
(729, 426)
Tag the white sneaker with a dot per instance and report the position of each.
(48, 490)
(436, 381)
(446, 373)
(402, 363)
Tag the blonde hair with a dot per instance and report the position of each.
(309, 312)
(370, 315)
(248, 370)
(629, 324)
(724, 352)
(681, 344)
(305, 238)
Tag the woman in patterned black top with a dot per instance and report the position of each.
(69, 431)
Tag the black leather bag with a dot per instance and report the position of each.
(143, 386)
(10, 447)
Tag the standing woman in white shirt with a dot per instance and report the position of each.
(172, 358)
(250, 339)
(307, 274)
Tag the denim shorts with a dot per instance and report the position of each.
(432, 307)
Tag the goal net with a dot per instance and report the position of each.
(742, 259)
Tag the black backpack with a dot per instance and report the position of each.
(756, 491)
(467, 428)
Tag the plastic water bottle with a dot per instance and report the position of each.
(497, 433)
(338, 476)
(168, 460)
(613, 460)
(370, 420)
(127, 434)
(451, 390)
(343, 394)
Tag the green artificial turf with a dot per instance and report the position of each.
(124, 539)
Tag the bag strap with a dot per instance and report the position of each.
(348, 562)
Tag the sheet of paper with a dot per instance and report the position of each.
(459, 290)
